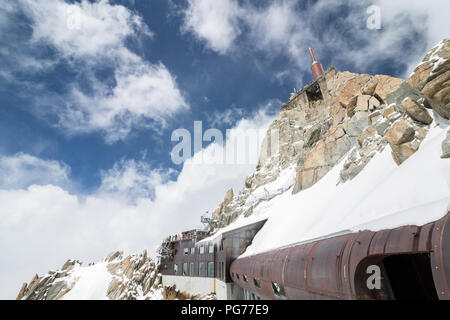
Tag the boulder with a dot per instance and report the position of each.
(369, 132)
(416, 111)
(446, 147)
(436, 85)
(419, 77)
(362, 103)
(357, 124)
(370, 86)
(386, 85)
(402, 152)
(399, 133)
(336, 133)
(352, 88)
(382, 126)
(432, 78)
(374, 103)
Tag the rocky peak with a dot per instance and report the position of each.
(345, 117)
(130, 278)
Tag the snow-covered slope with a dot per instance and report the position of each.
(382, 196)
(382, 164)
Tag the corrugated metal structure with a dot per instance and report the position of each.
(409, 262)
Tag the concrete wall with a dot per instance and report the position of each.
(228, 291)
(192, 285)
(197, 285)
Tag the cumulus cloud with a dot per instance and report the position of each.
(87, 37)
(335, 28)
(135, 208)
(214, 22)
(22, 170)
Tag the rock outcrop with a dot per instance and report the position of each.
(347, 118)
(133, 277)
(432, 78)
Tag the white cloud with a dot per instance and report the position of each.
(88, 36)
(92, 29)
(287, 27)
(214, 21)
(22, 170)
(135, 208)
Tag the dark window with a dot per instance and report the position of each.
(237, 276)
(278, 289)
(313, 92)
(244, 277)
(211, 269)
(257, 283)
(201, 269)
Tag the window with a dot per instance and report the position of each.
(201, 269)
(237, 276)
(278, 289)
(175, 269)
(211, 248)
(165, 267)
(193, 250)
(186, 251)
(211, 269)
(185, 265)
(191, 269)
(202, 250)
(236, 243)
(257, 283)
(232, 274)
(244, 277)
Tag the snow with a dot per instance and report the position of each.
(382, 196)
(284, 182)
(268, 191)
(91, 283)
(437, 60)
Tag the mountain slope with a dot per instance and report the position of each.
(371, 153)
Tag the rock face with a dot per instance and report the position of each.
(432, 78)
(354, 117)
(133, 277)
(342, 118)
(446, 147)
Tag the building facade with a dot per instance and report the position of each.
(200, 265)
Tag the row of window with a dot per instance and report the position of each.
(202, 271)
(191, 251)
(278, 288)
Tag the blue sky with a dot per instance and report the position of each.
(91, 91)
